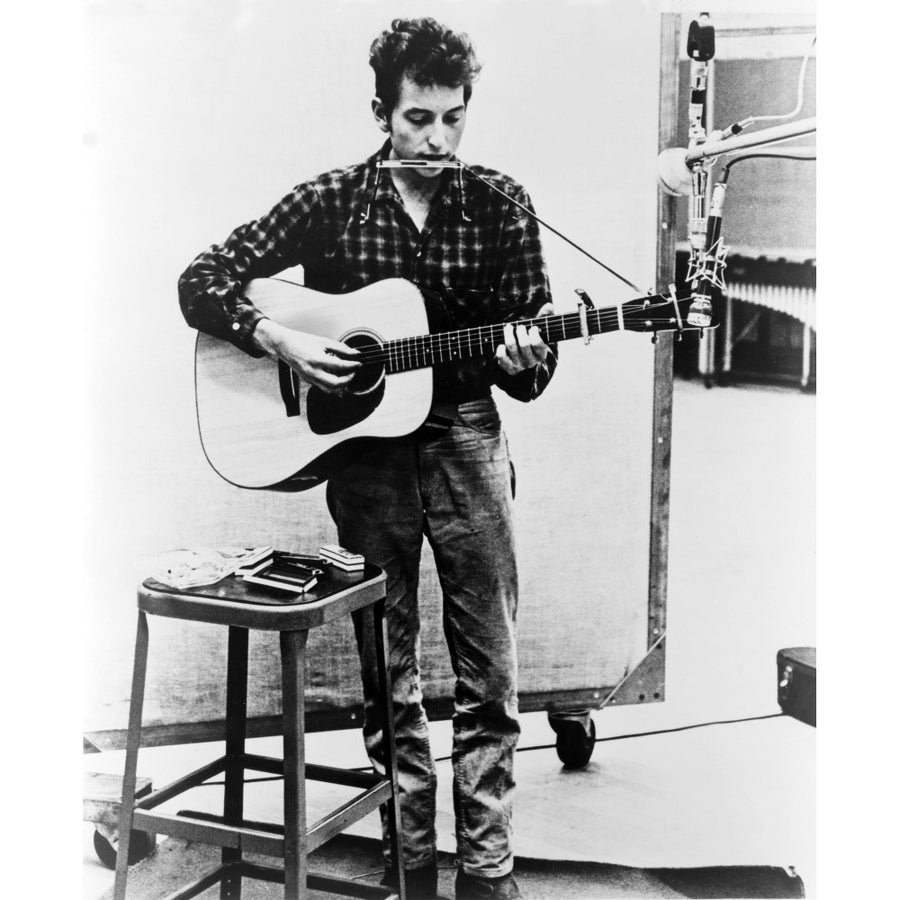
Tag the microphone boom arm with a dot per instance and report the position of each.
(676, 165)
(764, 137)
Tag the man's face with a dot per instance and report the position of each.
(425, 123)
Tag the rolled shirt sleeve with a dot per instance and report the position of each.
(211, 289)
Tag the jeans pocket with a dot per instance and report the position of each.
(480, 415)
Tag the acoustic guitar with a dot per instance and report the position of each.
(261, 426)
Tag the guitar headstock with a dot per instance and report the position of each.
(665, 312)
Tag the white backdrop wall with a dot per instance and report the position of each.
(200, 115)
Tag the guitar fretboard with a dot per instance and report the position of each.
(451, 346)
(646, 314)
(421, 351)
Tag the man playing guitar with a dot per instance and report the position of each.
(478, 259)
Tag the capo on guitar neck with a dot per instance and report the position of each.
(584, 304)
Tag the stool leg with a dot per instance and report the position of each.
(235, 746)
(126, 815)
(293, 658)
(390, 748)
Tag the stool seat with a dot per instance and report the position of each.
(233, 601)
(241, 606)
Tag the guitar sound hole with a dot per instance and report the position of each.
(368, 377)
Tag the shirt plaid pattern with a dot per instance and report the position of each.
(478, 259)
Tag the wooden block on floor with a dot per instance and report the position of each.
(103, 796)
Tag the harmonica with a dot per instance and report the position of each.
(419, 164)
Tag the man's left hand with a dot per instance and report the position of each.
(523, 348)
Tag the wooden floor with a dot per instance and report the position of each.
(741, 587)
(732, 801)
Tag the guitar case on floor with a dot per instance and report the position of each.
(797, 683)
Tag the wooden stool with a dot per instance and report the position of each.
(242, 606)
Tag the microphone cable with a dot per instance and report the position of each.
(765, 154)
(738, 127)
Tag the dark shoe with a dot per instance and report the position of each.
(474, 887)
(421, 884)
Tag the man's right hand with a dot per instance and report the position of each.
(329, 365)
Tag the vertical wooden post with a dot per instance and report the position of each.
(293, 694)
(395, 825)
(670, 30)
(235, 745)
(129, 781)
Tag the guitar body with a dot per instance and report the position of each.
(262, 427)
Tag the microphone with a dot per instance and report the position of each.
(701, 42)
(700, 313)
(701, 48)
(675, 176)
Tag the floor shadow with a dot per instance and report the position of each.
(177, 863)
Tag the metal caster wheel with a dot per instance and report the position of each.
(142, 845)
(574, 746)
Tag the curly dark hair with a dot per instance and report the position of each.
(427, 52)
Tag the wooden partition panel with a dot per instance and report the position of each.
(200, 117)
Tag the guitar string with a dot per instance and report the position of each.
(474, 341)
(557, 329)
(562, 321)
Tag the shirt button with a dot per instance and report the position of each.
(236, 326)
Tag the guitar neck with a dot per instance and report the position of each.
(425, 350)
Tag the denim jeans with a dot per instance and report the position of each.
(455, 490)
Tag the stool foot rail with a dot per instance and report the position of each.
(258, 872)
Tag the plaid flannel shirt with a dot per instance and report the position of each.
(478, 259)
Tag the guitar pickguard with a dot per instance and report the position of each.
(329, 414)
